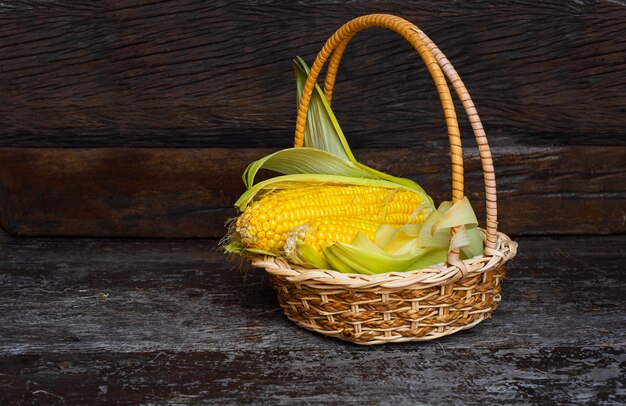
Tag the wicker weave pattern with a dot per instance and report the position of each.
(404, 315)
(409, 306)
(393, 307)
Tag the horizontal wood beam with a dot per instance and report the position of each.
(193, 74)
(190, 192)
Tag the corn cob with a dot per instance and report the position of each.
(321, 215)
(328, 211)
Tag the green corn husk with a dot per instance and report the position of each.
(326, 158)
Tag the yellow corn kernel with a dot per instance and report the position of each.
(324, 231)
(334, 212)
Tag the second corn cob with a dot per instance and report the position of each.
(331, 213)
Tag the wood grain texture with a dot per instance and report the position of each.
(218, 74)
(149, 321)
(190, 193)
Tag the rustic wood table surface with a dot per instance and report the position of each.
(149, 321)
(135, 119)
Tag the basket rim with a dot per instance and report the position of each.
(435, 275)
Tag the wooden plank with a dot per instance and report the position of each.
(432, 375)
(102, 295)
(189, 193)
(147, 321)
(192, 74)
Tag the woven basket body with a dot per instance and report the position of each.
(376, 316)
(393, 307)
(409, 306)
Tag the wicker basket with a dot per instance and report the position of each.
(409, 306)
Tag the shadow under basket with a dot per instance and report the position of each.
(417, 305)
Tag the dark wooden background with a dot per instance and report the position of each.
(136, 119)
(124, 118)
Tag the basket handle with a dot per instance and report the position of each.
(435, 62)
